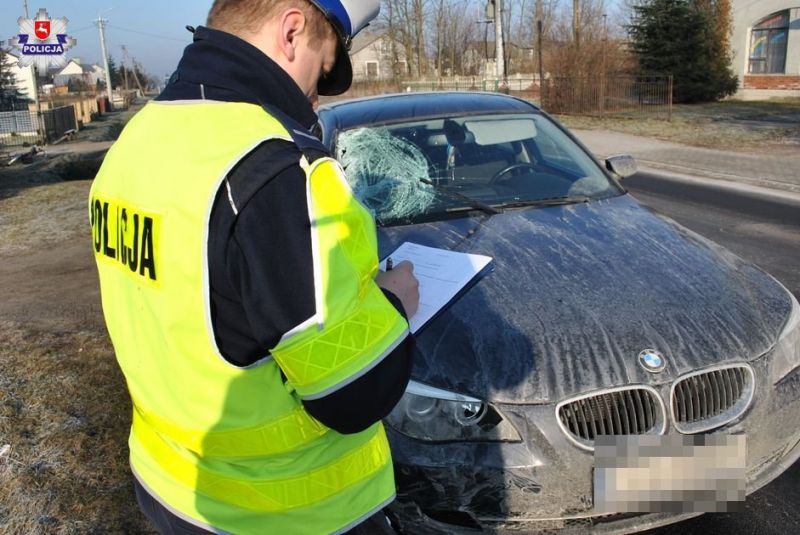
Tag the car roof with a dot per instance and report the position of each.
(396, 107)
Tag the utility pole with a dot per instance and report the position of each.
(125, 60)
(101, 25)
(576, 22)
(543, 93)
(500, 54)
(136, 69)
(538, 14)
(35, 76)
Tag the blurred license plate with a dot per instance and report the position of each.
(669, 473)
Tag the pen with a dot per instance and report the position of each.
(389, 264)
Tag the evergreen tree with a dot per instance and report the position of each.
(682, 38)
(115, 73)
(10, 97)
(76, 85)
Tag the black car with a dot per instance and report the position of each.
(600, 318)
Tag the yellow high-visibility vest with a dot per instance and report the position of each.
(222, 446)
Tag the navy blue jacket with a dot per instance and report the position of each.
(260, 260)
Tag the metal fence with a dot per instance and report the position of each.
(526, 86)
(634, 96)
(638, 95)
(58, 122)
(24, 128)
(18, 128)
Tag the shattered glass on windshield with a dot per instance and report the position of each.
(385, 172)
(436, 168)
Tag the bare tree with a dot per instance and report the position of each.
(463, 32)
(390, 23)
(566, 56)
(396, 18)
(441, 35)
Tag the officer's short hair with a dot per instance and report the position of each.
(235, 16)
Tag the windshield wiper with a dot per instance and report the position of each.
(473, 203)
(552, 201)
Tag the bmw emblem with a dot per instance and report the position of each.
(652, 361)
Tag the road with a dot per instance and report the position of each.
(767, 232)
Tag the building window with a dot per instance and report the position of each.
(768, 44)
(372, 69)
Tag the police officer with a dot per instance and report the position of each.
(240, 285)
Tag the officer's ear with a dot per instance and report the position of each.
(291, 24)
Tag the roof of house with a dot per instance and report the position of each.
(364, 39)
(84, 68)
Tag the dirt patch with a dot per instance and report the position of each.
(54, 287)
(108, 127)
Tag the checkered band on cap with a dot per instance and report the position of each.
(348, 17)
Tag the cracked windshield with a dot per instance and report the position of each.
(417, 171)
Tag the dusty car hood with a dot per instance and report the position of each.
(578, 292)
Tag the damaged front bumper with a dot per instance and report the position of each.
(544, 483)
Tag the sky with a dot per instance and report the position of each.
(153, 31)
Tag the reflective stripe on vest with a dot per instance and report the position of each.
(272, 495)
(284, 434)
(233, 447)
(358, 327)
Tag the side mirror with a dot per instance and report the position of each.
(621, 165)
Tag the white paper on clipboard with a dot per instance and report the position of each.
(442, 274)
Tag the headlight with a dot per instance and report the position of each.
(434, 415)
(786, 355)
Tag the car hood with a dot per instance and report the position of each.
(578, 291)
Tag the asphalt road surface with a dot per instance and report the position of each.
(766, 232)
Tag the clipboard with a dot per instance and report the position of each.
(444, 276)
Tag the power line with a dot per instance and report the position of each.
(82, 29)
(147, 34)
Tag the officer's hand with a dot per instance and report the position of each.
(402, 283)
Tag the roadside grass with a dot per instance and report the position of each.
(64, 417)
(728, 124)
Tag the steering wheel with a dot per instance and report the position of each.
(514, 166)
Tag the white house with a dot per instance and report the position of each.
(23, 76)
(766, 48)
(75, 71)
(371, 55)
(98, 73)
